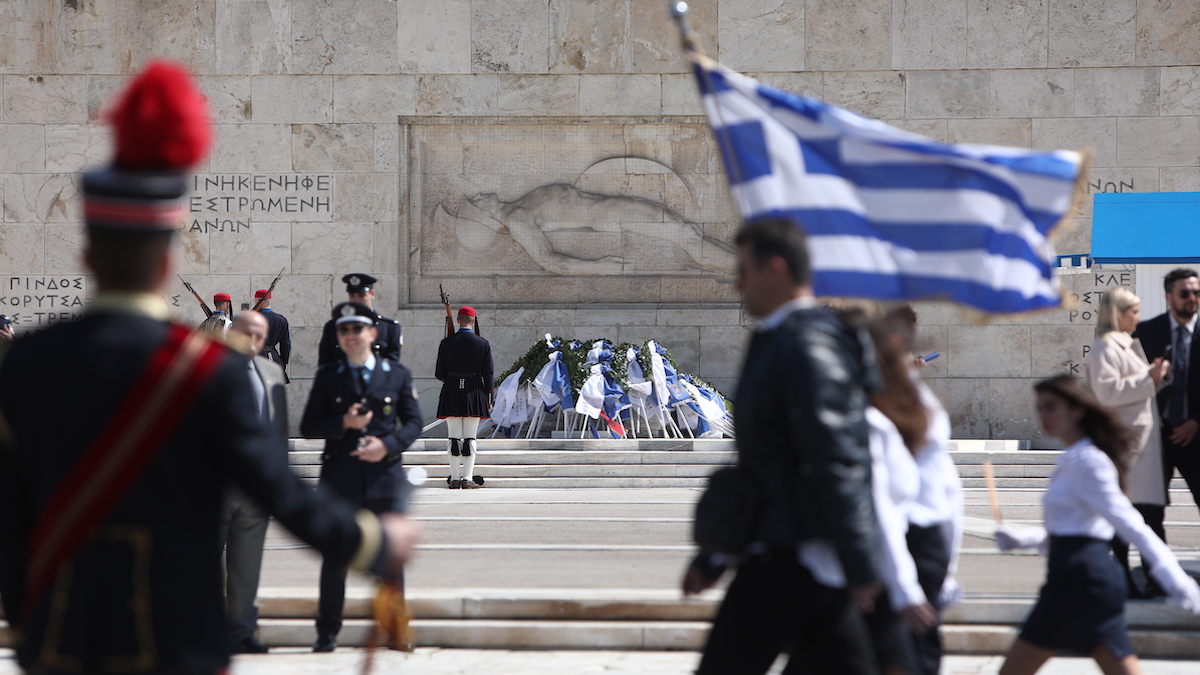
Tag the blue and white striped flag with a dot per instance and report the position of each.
(892, 215)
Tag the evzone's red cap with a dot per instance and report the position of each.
(222, 297)
(467, 311)
(260, 293)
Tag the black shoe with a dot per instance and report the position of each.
(250, 645)
(325, 643)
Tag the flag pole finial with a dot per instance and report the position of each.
(679, 12)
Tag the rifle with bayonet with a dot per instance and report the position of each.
(449, 317)
(203, 305)
(259, 303)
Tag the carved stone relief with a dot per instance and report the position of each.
(568, 200)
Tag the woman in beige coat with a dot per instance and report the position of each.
(1126, 384)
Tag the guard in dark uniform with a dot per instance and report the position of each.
(109, 539)
(464, 366)
(360, 288)
(278, 347)
(365, 407)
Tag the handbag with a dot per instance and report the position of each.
(728, 512)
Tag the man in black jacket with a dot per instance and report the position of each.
(389, 337)
(802, 437)
(365, 407)
(1171, 335)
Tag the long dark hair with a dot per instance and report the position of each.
(1113, 438)
(899, 400)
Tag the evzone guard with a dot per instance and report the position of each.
(464, 367)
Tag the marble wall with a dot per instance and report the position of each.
(412, 139)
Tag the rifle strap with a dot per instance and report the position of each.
(119, 454)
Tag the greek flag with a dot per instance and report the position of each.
(891, 215)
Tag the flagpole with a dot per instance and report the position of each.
(694, 54)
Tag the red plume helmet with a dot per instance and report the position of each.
(161, 121)
(162, 130)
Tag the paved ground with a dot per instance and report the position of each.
(496, 662)
(639, 538)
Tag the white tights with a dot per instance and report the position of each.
(461, 428)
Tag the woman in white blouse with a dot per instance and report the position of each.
(1081, 608)
(1126, 384)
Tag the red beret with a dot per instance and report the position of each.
(467, 311)
(222, 297)
(261, 292)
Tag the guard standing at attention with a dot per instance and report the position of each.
(109, 524)
(217, 325)
(360, 288)
(365, 407)
(464, 366)
(278, 347)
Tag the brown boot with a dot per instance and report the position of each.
(470, 485)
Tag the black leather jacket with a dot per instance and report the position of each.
(802, 434)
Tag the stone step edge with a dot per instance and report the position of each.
(657, 605)
(666, 636)
(646, 635)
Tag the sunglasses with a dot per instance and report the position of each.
(348, 328)
(1187, 293)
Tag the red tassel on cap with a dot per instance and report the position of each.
(161, 121)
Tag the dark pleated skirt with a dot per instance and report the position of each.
(467, 400)
(1082, 604)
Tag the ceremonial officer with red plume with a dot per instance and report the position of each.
(365, 407)
(464, 366)
(109, 540)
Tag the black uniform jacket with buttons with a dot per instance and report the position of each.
(464, 366)
(387, 342)
(278, 347)
(145, 588)
(397, 422)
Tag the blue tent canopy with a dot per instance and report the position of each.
(1146, 227)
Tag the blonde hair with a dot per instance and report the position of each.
(1112, 304)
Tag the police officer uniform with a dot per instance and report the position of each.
(387, 388)
(464, 366)
(217, 325)
(278, 347)
(391, 337)
(109, 544)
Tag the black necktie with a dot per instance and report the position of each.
(361, 372)
(1179, 364)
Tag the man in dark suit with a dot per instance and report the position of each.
(813, 562)
(109, 523)
(365, 407)
(389, 337)
(278, 346)
(1170, 335)
(464, 367)
(244, 522)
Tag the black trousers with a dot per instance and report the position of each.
(332, 600)
(1186, 458)
(1153, 514)
(931, 555)
(774, 601)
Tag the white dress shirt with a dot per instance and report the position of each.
(895, 483)
(1084, 499)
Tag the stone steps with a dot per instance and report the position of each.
(650, 620)
(547, 463)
